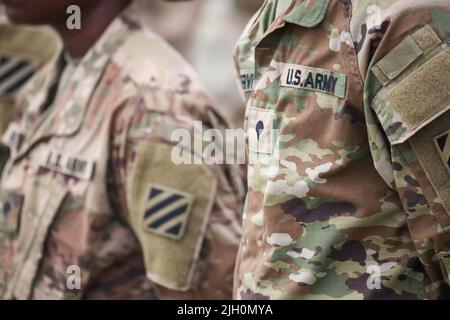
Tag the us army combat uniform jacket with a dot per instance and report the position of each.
(349, 187)
(23, 50)
(92, 204)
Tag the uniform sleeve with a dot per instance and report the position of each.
(185, 216)
(405, 60)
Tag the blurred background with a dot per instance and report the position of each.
(205, 32)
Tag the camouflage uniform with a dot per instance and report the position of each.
(91, 191)
(349, 189)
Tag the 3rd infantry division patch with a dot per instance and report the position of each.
(167, 211)
(443, 144)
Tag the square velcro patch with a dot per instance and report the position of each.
(442, 142)
(167, 211)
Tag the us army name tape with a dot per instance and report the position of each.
(302, 77)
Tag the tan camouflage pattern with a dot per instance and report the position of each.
(122, 92)
(343, 202)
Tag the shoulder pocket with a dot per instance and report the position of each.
(6, 112)
(405, 54)
(170, 209)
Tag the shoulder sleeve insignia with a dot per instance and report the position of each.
(442, 142)
(10, 208)
(167, 211)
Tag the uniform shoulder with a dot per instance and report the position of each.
(163, 77)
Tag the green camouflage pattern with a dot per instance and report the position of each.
(341, 208)
(130, 87)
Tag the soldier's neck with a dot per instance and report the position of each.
(78, 42)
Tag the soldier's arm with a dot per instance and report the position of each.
(404, 60)
(23, 50)
(184, 216)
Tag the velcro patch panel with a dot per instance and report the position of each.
(405, 53)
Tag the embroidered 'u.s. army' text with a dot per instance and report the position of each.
(330, 82)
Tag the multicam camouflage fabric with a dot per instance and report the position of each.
(347, 204)
(80, 164)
